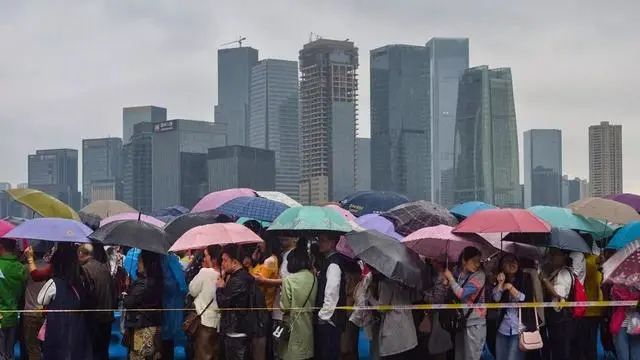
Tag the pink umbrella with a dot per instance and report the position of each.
(623, 267)
(215, 234)
(347, 214)
(5, 227)
(438, 242)
(132, 216)
(213, 200)
(502, 221)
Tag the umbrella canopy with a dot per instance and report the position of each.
(310, 218)
(134, 233)
(378, 223)
(105, 208)
(624, 266)
(5, 227)
(605, 209)
(169, 213)
(438, 242)
(632, 200)
(496, 240)
(625, 235)
(347, 214)
(51, 229)
(183, 223)
(253, 207)
(388, 256)
(215, 234)
(372, 202)
(566, 239)
(43, 204)
(132, 216)
(468, 208)
(502, 221)
(279, 197)
(213, 200)
(245, 220)
(563, 218)
(417, 215)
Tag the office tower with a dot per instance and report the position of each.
(179, 161)
(55, 172)
(101, 169)
(135, 115)
(605, 159)
(448, 59)
(400, 120)
(542, 167)
(23, 186)
(136, 168)
(274, 120)
(363, 164)
(5, 186)
(571, 190)
(328, 120)
(238, 166)
(234, 76)
(486, 141)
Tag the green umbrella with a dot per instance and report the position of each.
(310, 218)
(563, 218)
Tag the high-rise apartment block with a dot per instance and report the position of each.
(135, 115)
(55, 171)
(605, 159)
(101, 169)
(328, 119)
(543, 167)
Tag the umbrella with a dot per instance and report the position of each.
(502, 221)
(310, 218)
(563, 218)
(134, 233)
(51, 229)
(467, 209)
(372, 202)
(436, 241)
(347, 214)
(244, 220)
(605, 209)
(213, 200)
(500, 245)
(632, 200)
(378, 223)
(279, 197)
(388, 256)
(566, 239)
(5, 227)
(169, 213)
(624, 266)
(183, 223)
(625, 235)
(253, 207)
(43, 204)
(132, 216)
(106, 208)
(417, 215)
(215, 234)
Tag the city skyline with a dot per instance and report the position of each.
(98, 89)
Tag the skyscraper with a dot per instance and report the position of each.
(274, 120)
(400, 120)
(363, 164)
(234, 76)
(138, 114)
(55, 171)
(136, 168)
(328, 115)
(241, 167)
(448, 59)
(486, 140)
(101, 169)
(571, 190)
(5, 186)
(542, 167)
(605, 159)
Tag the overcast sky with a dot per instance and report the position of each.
(68, 67)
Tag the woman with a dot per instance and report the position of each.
(627, 345)
(468, 287)
(203, 290)
(66, 334)
(298, 291)
(143, 328)
(265, 273)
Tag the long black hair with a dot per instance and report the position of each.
(299, 259)
(518, 280)
(65, 265)
(152, 265)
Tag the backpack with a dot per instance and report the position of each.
(577, 293)
(257, 320)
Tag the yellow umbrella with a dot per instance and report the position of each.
(605, 209)
(43, 204)
(105, 208)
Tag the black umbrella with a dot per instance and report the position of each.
(566, 239)
(134, 233)
(387, 255)
(183, 223)
(414, 216)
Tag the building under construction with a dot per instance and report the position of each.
(328, 120)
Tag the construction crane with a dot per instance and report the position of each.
(239, 41)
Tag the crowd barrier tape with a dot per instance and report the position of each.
(383, 308)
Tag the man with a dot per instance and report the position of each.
(13, 277)
(235, 326)
(101, 295)
(33, 321)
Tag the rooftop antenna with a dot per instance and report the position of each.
(239, 41)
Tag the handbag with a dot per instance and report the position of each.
(530, 340)
(455, 320)
(192, 321)
(283, 332)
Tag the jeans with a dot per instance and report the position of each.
(327, 342)
(627, 346)
(7, 341)
(237, 348)
(507, 348)
(469, 342)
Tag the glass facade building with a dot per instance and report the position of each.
(542, 167)
(101, 168)
(137, 172)
(241, 167)
(55, 172)
(137, 114)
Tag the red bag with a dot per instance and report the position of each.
(579, 294)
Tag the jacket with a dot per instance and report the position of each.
(203, 289)
(100, 289)
(298, 291)
(14, 277)
(144, 293)
(235, 294)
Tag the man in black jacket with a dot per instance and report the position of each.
(234, 293)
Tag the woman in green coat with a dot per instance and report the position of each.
(298, 292)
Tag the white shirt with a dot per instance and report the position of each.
(47, 294)
(277, 313)
(331, 292)
(579, 265)
(203, 289)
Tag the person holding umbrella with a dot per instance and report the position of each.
(12, 287)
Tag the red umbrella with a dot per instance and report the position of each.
(502, 221)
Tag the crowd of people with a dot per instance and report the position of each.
(285, 299)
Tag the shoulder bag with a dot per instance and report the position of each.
(283, 332)
(529, 340)
(454, 320)
(192, 321)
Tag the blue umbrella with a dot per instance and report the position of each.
(566, 239)
(372, 202)
(253, 207)
(467, 209)
(51, 229)
(625, 235)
